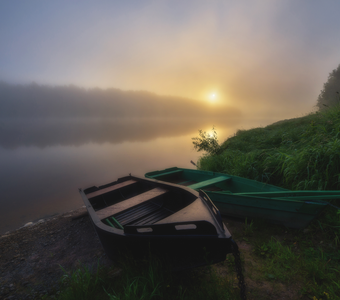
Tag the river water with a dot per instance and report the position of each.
(44, 162)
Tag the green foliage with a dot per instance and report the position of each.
(147, 279)
(329, 95)
(302, 153)
(295, 261)
(248, 228)
(206, 142)
(80, 284)
(297, 154)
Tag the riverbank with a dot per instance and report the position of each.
(31, 257)
(297, 154)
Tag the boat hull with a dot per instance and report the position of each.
(181, 252)
(293, 214)
(192, 236)
(240, 197)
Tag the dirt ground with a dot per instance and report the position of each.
(31, 258)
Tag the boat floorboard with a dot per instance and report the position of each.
(130, 215)
(146, 213)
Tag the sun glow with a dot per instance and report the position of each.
(213, 97)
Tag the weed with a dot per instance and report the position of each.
(248, 228)
(80, 284)
(262, 250)
(148, 279)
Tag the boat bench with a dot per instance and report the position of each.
(209, 182)
(110, 189)
(128, 203)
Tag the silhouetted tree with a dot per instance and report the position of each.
(329, 95)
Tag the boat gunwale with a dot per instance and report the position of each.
(268, 199)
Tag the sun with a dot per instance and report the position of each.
(213, 97)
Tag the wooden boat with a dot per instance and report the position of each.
(241, 197)
(142, 215)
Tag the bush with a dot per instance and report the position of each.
(206, 142)
(329, 95)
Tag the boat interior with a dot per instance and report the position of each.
(133, 202)
(210, 181)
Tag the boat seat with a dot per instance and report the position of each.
(206, 183)
(128, 203)
(110, 189)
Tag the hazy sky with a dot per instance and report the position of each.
(267, 58)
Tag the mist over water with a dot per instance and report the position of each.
(44, 161)
(43, 133)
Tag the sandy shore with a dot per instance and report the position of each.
(30, 257)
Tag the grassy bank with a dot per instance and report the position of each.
(280, 263)
(297, 154)
(301, 153)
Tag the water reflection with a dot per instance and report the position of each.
(44, 162)
(38, 182)
(52, 132)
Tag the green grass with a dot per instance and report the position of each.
(295, 257)
(302, 153)
(147, 279)
(297, 154)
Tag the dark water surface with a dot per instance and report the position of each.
(44, 162)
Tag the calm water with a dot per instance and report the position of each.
(44, 162)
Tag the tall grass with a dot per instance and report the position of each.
(302, 153)
(81, 283)
(147, 279)
(297, 154)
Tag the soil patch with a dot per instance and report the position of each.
(31, 257)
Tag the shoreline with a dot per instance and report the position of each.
(31, 256)
(41, 220)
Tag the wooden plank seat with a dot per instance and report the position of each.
(110, 188)
(206, 183)
(128, 203)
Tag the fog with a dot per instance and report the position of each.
(76, 132)
(42, 101)
(265, 58)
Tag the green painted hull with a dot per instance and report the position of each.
(241, 197)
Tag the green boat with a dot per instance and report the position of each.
(240, 197)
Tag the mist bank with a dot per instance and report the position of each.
(42, 101)
(43, 133)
